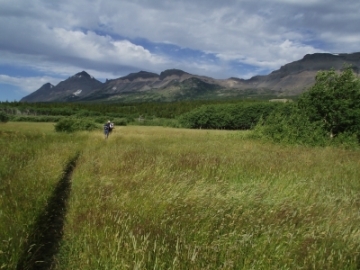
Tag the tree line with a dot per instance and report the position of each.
(52, 112)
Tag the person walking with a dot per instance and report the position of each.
(112, 126)
(107, 129)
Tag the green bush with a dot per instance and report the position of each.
(87, 113)
(74, 124)
(3, 117)
(227, 116)
(39, 118)
(101, 119)
(290, 125)
(119, 121)
(161, 122)
(327, 114)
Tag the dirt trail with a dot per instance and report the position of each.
(44, 241)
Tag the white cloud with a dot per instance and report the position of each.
(92, 46)
(67, 51)
(61, 38)
(279, 55)
(301, 3)
(28, 84)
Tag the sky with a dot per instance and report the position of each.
(49, 41)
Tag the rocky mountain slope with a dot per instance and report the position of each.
(174, 84)
(81, 84)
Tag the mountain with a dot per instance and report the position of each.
(295, 77)
(73, 88)
(39, 94)
(174, 84)
(141, 82)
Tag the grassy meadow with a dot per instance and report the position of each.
(165, 198)
(32, 158)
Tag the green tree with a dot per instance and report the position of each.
(3, 117)
(72, 124)
(334, 102)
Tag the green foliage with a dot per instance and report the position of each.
(119, 121)
(32, 118)
(334, 101)
(105, 111)
(163, 122)
(116, 121)
(74, 124)
(288, 124)
(327, 114)
(3, 117)
(240, 116)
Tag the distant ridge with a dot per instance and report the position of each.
(140, 74)
(172, 72)
(174, 84)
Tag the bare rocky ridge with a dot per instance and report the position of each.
(40, 94)
(81, 84)
(174, 84)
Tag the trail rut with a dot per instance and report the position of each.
(44, 240)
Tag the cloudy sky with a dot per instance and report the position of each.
(48, 41)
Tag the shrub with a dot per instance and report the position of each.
(120, 121)
(117, 121)
(3, 117)
(73, 124)
(161, 122)
(39, 118)
(290, 125)
(229, 116)
(101, 119)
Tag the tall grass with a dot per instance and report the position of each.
(161, 198)
(32, 159)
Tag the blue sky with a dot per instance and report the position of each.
(48, 41)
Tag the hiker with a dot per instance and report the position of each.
(107, 129)
(112, 126)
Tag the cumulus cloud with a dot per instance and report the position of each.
(114, 38)
(72, 45)
(99, 48)
(28, 84)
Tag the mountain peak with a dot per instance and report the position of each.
(320, 56)
(82, 74)
(141, 74)
(171, 72)
(45, 90)
(48, 85)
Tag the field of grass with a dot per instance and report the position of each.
(163, 198)
(32, 159)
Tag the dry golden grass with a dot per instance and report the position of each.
(162, 198)
(27, 127)
(32, 159)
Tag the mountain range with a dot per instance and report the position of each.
(173, 85)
